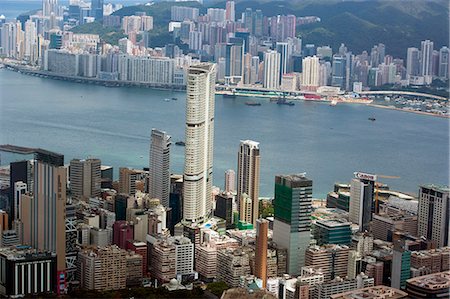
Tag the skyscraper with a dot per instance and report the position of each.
(85, 178)
(198, 163)
(361, 199)
(285, 54)
(97, 9)
(426, 60)
(50, 7)
(230, 181)
(310, 74)
(159, 166)
(262, 228)
(43, 214)
(291, 228)
(434, 214)
(230, 11)
(444, 55)
(248, 175)
(272, 70)
(339, 71)
(412, 62)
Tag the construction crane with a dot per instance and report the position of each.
(377, 185)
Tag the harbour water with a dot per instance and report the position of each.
(327, 142)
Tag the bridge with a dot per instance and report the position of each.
(406, 93)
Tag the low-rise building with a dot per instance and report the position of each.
(436, 285)
(372, 293)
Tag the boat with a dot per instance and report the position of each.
(174, 99)
(166, 100)
(250, 103)
(333, 103)
(284, 102)
(180, 143)
(227, 95)
(372, 118)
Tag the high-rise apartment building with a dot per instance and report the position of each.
(44, 215)
(85, 178)
(159, 167)
(102, 268)
(230, 11)
(198, 166)
(444, 59)
(262, 229)
(426, 60)
(230, 181)
(272, 70)
(310, 73)
(234, 263)
(331, 259)
(434, 214)
(292, 207)
(248, 175)
(361, 200)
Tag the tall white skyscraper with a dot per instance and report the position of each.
(310, 74)
(248, 177)
(159, 166)
(49, 7)
(230, 11)
(426, 60)
(198, 163)
(272, 69)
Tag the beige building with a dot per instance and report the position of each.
(329, 259)
(85, 178)
(248, 176)
(102, 268)
(234, 263)
(133, 268)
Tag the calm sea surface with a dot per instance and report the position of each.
(328, 143)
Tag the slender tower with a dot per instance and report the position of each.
(159, 166)
(198, 163)
(262, 228)
(248, 176)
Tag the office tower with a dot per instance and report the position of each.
(272, 70)
(198, 165)
(26, 272)
(230, 181)
(123, 232)
(310, 73)
(71, 242)
(331, 259)
(159, 166)
(97, 9)
(413, 62)
(332, 232)
(20, 171)
(262, 229)
(102, 268)
(248, 175)
(120, 206)
(401, 264)
(361, 200)
(234, 263)
(444, 54)
(127, 180)
(433, 214)
(224, 208)
(285, 55)
(339, 71)
(44, 215)
(292, 209)
(254, 70)
(234, 62)
(384, 224)
(230, 11)
(85, 178)
(426, 60)
(354, 264)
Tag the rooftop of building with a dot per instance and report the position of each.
(332, 223)
(250, 143)
(435, 187)
(372, 293)
(433, 281)
(22, 252)
(327, 247)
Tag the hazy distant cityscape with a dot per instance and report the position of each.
(80, 228)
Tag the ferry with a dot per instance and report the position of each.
(180, 143)
(252, 104)
(174, 99)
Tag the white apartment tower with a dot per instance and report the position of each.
(272, 69)
(248, 176)
(310, 75)
(159, 166)
(198, 163)
(426, 60)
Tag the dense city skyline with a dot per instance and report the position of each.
(73, 227)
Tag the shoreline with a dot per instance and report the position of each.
(173, 87)
(411, 111)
